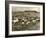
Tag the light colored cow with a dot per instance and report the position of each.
(16, 20)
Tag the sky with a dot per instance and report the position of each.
(25, 8)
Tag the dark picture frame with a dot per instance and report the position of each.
(7, 18)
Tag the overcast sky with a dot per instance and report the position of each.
(25, 8)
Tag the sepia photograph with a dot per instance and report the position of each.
(25, 18)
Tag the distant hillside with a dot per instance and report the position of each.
(26, 13)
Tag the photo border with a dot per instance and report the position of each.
(7, 18)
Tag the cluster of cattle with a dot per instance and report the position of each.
(20, 24)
